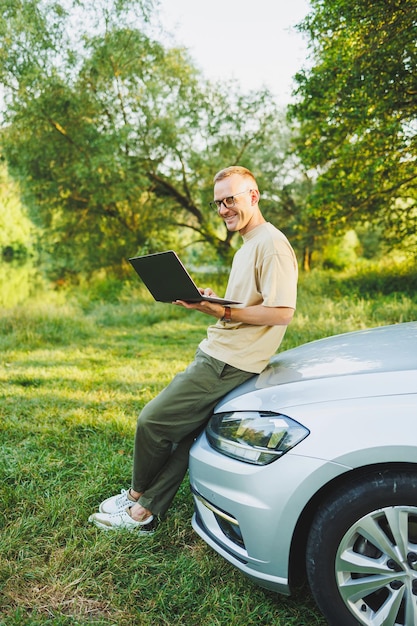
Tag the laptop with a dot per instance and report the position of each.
(168, 280)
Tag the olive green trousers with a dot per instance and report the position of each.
(168, 425)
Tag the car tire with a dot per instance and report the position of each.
(361, 555)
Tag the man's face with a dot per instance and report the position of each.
(238, 217)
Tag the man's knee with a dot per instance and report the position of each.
(145, 417)
(153, 419)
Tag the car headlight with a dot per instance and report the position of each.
(253, 436)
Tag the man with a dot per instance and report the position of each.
(263, 279)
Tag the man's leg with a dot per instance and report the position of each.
(167, 427)
(160, 494)
(179, 410)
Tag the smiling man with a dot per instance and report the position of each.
(263, 280)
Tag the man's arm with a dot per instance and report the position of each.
(258, 315)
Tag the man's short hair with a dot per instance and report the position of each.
(234, 169)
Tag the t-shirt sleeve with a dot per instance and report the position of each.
(278, 279)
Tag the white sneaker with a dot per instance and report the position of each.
(117, 503)
(122, 520)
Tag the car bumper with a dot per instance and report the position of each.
(248, 513)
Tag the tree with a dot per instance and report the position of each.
(356, 107)
(114, 138)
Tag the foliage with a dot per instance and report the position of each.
(375, 280)
(115, 139)
(341, 252)
(17, 233)
(356, 107)
(73, 375)
(18, 282)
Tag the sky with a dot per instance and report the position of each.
(252, 42)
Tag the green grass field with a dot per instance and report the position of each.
(74, 373)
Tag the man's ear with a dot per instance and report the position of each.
(255, 195)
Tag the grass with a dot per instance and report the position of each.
(74, 373)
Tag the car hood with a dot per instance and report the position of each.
(377, 354)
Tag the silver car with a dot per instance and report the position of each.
(312, 465)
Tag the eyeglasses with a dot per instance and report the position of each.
(228, 202)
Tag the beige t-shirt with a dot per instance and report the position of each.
(264, 271)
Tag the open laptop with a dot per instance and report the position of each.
(168, 280)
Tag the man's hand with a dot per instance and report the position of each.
(210, 308)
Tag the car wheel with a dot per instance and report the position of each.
(361, 554)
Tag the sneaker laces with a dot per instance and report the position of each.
(124, 495)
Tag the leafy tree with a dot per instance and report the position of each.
(114, 138)
(356, 106)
